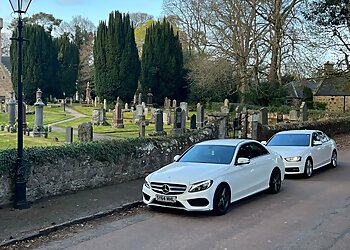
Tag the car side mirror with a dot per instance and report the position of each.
(176, 157)
(243, 161)
(264, 143)
(317, 143)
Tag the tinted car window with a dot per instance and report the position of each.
(298, 140)
(245, 151)
(258, 150)
(216, 154)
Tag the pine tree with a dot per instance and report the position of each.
(39, 63)
(68, 62)
(117, 66)
(162, 63)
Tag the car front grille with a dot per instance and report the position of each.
(167, 204)
(168, 188)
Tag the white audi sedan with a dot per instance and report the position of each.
(304, 150)
(212, 174)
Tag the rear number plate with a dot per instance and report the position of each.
(163, 198)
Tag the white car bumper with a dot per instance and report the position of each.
(198, 201)
(294, 167)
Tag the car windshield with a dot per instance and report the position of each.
(298, 140)
(215, 154)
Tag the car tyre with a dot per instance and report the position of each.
(222, 199)
(309, 168)
(275, 181)
(334, 161)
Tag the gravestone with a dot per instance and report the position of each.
(11, 110)
(167, 117)
(184, 107)
(263, 116)
(118, 121)
(304, 113)
(38, 129)
(178, 121)
(183, 121)
(69, 135)
(138, 113)
(226, 103)
(225, 110)
(71, 101)
(149, 98)
(294, 115)
(279, 118)
(104, 104)
(193, 122)
(142, 128)
(159, 128)
(140, 99)
(88, 98)
(76, 96)
(126, 106)
(166, 103)
(98, 117)
(200, 116)
(85, 132)
(95, 102)
(174, 104)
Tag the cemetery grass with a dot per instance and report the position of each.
(51, 115)
(9, 140)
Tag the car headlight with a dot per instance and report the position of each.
(293, 159)
(147, 185)
(200, 186)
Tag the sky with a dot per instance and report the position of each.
(95, 10)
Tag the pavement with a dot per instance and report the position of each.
(49, 215)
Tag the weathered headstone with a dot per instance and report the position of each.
(12, 110)
(166, 103)
(76, 96)
(304, 113)
(118, 117)
(138, 112)
(193, 122)
(98, 117)
(178, 121)
(159, 128)
(95, 102)
(126, 106)
(166, 117)
(263, 116)
(85, 132)
(279, 118)
(183, 121)
(200, 115)
(104, 104)
(184, 107)
(226, 103)
(149, 98)
(140, 99)
(174, 104)
(142, 129)
(69, 135)
(38, 129)
(294, 115)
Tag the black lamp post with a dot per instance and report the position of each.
(20, 7)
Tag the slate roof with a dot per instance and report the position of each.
(295, 88)
(335, 85)
(6, 62)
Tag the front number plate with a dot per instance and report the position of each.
(163, 198)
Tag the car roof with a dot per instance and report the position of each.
(300, 131)
(225, 142)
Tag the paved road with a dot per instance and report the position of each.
(307, 214)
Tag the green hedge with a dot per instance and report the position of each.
(103, 151)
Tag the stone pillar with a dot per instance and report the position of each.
(140, 99)
(193, 122)
(200, 116)
(69, 135)
(142, 131)
(263, 116)
(304, 113)
(12, 109)
(38, 129)
(88, 93)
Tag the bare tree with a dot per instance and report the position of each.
(139, 18)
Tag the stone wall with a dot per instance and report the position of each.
(69, 174)
(334, 103)
(331, 127)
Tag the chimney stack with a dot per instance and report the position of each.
(328, 68)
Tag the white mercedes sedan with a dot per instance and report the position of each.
(304, 150)
(212, 174)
